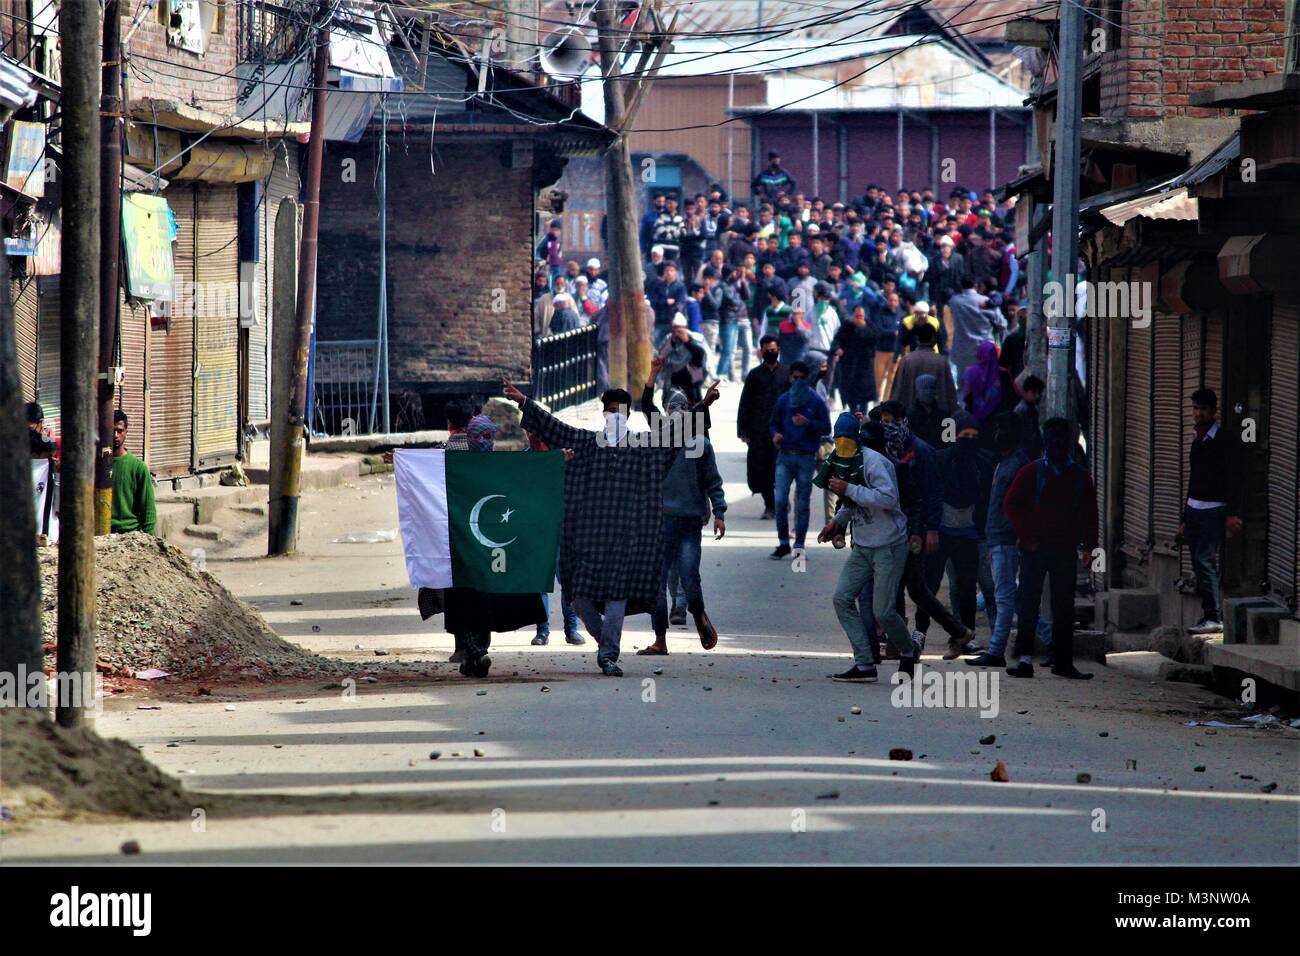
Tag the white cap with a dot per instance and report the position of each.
(593, 263)
(922, 306)
(656, 249)
(945, 240)
(679, 321)
(560, 298)
(812, 229)
(581, 280)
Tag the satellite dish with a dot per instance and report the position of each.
(566, 52)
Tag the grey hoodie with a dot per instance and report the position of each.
(873, 508)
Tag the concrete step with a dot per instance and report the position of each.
(1262, 623)
(1288, 633)
(1129, 609)
(1235, 628)
(258, 510)
(1085, 610)
(1276, 664)
(205, 532)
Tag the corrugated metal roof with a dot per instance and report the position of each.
(1226, 153)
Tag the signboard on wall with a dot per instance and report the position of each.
(146, 237)
(25, 160)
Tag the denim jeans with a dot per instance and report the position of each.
(606, 628)
(1058, 570)
(682, 552)
(792, 466)
(1204, 532)
(880, 569)
(1006, 566)
(726, 348)
(745, 343)
(566, 609)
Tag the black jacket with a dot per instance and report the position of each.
(1215, 469)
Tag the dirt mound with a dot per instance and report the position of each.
(46, 768)
(154, 608)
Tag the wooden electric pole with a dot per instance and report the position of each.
(283, 512)
(79, 347)
(110, 168)
(1065, 214)
(629, 329)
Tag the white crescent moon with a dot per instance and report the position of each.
(473, 524)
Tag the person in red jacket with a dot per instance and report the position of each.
(1052, 505)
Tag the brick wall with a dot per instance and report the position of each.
(454, 236)
(185, 77)
(1196, 45)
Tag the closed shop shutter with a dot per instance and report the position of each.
(1213, 354)
(1097, 344)
(132, 356)
(1137, 443)
(1168, 408)
(1283, 448)
(283, 183)
(1193, 373)
(48, 363)
(26, 311)
(216, 328)
(171, 353)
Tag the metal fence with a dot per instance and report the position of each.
(564, 368)
(343, 376)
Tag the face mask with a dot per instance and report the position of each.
(967, 446)
(770, 356)
(846, 447)
(615, 428)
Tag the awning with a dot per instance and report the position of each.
(139, 180)
(1170, 204)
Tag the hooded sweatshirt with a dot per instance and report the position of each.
(872, 509)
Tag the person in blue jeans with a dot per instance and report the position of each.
(1001, 538)
(571, 632)
(800, 419)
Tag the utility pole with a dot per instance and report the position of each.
(283, 336)
(629, 333)
(1065, 213)
(20, 583)
(1036, 266)
(284, 509)
(79, 347)
(110, 169)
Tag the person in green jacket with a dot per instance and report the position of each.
(133, 505)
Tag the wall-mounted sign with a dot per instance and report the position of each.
(25, 163)
(147, 239)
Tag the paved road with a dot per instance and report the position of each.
(744, 754)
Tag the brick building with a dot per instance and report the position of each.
(1186, 195)
(464, 174)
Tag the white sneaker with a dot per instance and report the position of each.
(918, 637)
(1206, 625)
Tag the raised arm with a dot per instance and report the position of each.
(546, 426)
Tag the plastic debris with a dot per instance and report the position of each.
(855, 710)
(367, 537)
(991, 738)
(153, 673)
(1220, 724)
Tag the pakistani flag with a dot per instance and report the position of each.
(483, 520)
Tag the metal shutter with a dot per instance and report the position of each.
(1213, 355)
(1193, 375)
(1137, 442)
(216, 328)
(26, 313)
(1283, 445)
(1098, 449)
(48, 363)
(1168, 411)
(132, 334)
(171, 353)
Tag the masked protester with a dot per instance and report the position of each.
(924, 416)
(873, 513)
(691, 489)
(844, 463)
(1053, 507)
(763, 385)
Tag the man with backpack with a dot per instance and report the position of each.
(1052, 505)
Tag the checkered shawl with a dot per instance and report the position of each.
(611, 545)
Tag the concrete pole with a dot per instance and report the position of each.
(79, 347)
(1065, 214)
(110, 171)
(816, 155)
(993, 149)
(1036, 266)
(283, 297)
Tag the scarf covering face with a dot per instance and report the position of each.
(925, 388)
(897, 437)
(481, 433)
(982, 381)
(615, 428)
(799, 392)
(677, 401)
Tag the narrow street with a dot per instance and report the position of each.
(746, 754)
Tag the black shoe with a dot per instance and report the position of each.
(541, 640)
(1072, 672)
(781, 551)
(907, 665)
(574, 638)
(482, 666)
(856, 675)
(767, 515)
(987, 660)
(678, 616)
(1048, 662)
(1021, 669)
